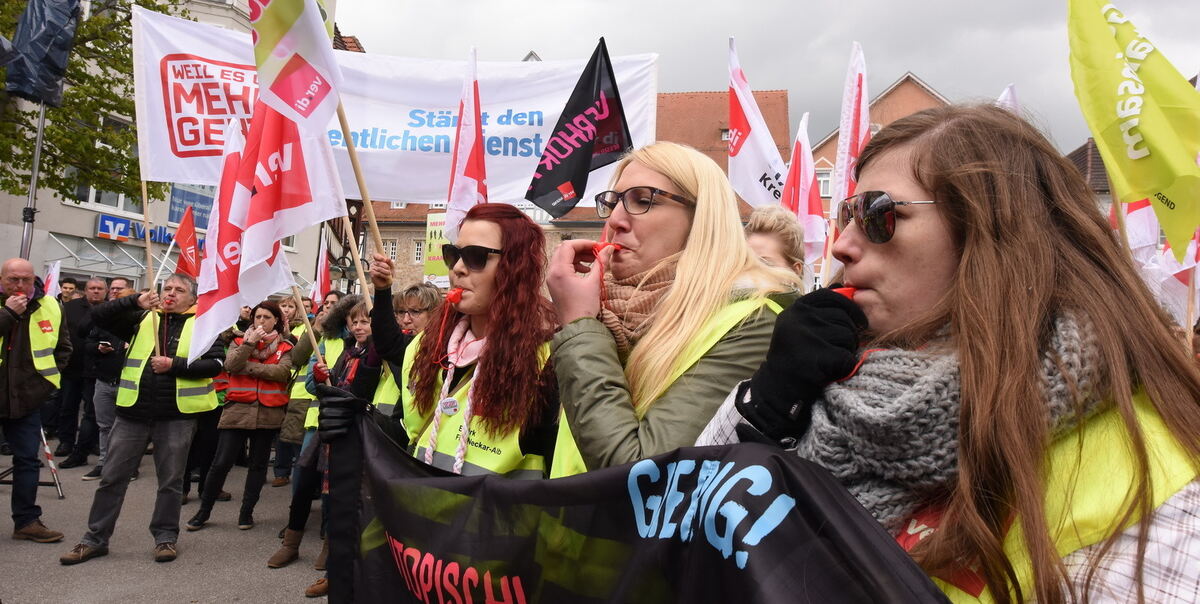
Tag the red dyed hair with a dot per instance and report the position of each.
(511, 390)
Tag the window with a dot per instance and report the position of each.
(390, 247)
(108, 200)
(399, 205)
(418, 251)
(437, 206)
(725, 134)
(824, 179)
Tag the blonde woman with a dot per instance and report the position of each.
(776, 237)
(681, 313)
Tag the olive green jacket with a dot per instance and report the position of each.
(596, 399)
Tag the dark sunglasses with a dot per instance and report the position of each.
(874, 212)
(637, 200)
(474, 257)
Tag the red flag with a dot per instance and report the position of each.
(853, 133)
(321, 283)
(802, 195)
(185, 238)
(755, 167)
(468, 175)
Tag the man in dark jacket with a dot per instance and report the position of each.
(105, 356)
(77, 387)
(34, 347)
(158, 394)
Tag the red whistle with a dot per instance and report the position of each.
(597, 248)
(454, 296)
(407, 332)
(846, 291)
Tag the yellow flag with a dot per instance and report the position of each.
(1144, 115)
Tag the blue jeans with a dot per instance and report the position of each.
(285, 456)
(25, 437)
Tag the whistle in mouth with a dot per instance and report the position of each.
(846, 291)
(455, 295)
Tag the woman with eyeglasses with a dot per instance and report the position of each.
(660, 326)
(1003, 393)
(481, 363)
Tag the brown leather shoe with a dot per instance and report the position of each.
(82, 553)
(281, 481)
(318, 589)
(36, 531)
(165, 552)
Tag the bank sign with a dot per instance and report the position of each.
(117, 228)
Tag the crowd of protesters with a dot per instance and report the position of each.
(940, 377)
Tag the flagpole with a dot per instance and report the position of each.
(1118, 210)
(357, 259)
(149, 263)
(308, 328)
(170, 248)
(1191, 307)
(831, 234)
(372, 224)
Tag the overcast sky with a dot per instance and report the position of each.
(965, 49)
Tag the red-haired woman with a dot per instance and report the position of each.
(482, 363)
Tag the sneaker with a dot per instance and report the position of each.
(82, 553)
(198, 521)
(165, 552)
(224, 496)
(318, 589)
(245, 521)
(36, 531)
(281, 481)
(62, 450)
(73, 461)
(136, 473)
(94, 474)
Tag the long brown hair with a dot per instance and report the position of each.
(1033, 243)
(511, 387)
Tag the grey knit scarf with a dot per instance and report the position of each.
(890, 432)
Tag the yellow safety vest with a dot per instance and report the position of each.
(44, 324)
(192, 395)
(332, 348)
(1086, 476)
(387, 394)
(568, 461)
(298, 389)
(400, 389)
(486, 454)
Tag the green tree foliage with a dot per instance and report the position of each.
(90, 140)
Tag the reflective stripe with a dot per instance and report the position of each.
(195, 391)
(42, 352)
(48, 372)
(445, 462)
(132, 362)
(130, 384)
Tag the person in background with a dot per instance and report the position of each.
(777, 238)
(1040, 415)
(34, 347)
(158, 395)
(79, 391)
(331, 298)
(66, 289)
(308, 306)
(258, 370)
(657, 332)
(106, 356)
(414, 306)
(286, 450)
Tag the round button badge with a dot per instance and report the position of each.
(449, 405)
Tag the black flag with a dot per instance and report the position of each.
(590, 134)
(43, 42)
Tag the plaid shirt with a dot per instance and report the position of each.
(1171, 571)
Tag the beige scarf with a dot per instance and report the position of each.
(628, 306)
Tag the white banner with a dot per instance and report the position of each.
(192, 77)
(756, 170)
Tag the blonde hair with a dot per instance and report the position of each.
(714, 261)
(781, 224)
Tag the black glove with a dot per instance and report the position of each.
(339, 410)
(815, 343)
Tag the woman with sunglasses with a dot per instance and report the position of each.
(662, 325)
(1016, 411)
(482, 363)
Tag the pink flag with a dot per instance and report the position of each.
(1008, 99)
(802, 195)
(321, 284)
(468, 175)
(287, 182)
(756, 170)
(219, 302)
(854, 131)
(51, 281)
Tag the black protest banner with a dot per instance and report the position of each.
(741, 523)
(42, 44)
(591, 133)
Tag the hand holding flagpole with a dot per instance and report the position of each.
(150, 263)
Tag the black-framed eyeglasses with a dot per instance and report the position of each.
(874, 212)
(474, 257)
(637, 200)
(412, 312)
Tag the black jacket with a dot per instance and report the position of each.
(156, 392)
(78, 315)
(22, 389)
(105, 367)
